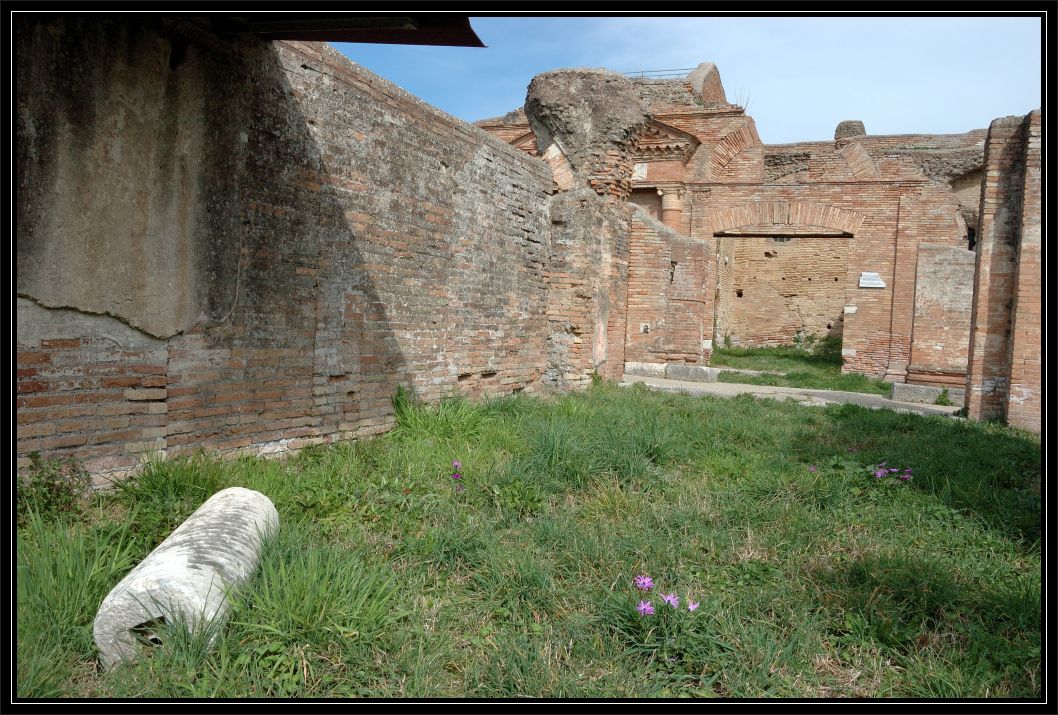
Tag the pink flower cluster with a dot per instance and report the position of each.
(457, 465)
(883, 470)
(646, 608)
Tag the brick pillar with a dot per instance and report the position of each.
(988, 372)
(903, 315)
(1024, 398)
(672, 208)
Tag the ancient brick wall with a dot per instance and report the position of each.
(989, 368)
(778, 289)
(587, 280)
(341, 238)
(864, 218)
(649, 201)
(905, 206)
(944, 283)
(669, 304)
(1004, 378)
(1025, 401)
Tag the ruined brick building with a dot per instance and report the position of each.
(247, 245)
(871, 238)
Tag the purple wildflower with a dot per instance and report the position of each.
(457, 475)
(813, 468)
(643, 583)
(645, 608)
(459, 487)
(456, 464)
(880, 473)
(905, 477)
(691, 605)
(671, 598)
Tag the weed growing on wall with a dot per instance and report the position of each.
(50, 488)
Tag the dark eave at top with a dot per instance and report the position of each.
(394, 29)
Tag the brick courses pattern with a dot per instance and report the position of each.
(378, 242)
(1004, 380)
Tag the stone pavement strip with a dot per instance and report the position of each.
(816, 398)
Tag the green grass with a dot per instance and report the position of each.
(818, 368)
(386, 581)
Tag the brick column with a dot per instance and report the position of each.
(988, 373)
(905, 263)
(672, 208)
(1024, 399)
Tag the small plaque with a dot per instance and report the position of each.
(871, 280)
(850, 309)
(639, 171)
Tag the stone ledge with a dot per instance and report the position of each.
(691, 373)
(905, 392)
(673, 371)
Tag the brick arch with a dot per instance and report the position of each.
(784, 213)
(734, 143)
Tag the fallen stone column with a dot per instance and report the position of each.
(186, 578)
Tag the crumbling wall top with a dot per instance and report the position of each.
(592, 118)
(850, 128)
(705, 79)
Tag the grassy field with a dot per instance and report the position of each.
(818, 367)
(389, 578)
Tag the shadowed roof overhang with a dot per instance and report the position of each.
(395, 29)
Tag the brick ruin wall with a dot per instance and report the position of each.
(868, 212)
(247, 246)
(1025, 400)
(733, 180)
(943, 298)
(587, 280)
(905, 206)
(670, 310)
(775, 292)
(1005, 370)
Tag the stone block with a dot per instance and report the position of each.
(925, 394)
(646, 369)
(691, 373)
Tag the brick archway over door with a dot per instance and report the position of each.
(803, 215)
(781, 271)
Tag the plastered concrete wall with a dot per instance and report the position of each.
(345, 238)
(124, 169)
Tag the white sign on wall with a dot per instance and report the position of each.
(639, 171)
(871, 280)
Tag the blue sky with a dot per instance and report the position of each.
(798, 76)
